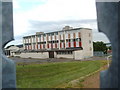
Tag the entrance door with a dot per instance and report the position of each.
(51, 54)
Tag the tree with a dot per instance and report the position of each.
(100, 46)
(110, 48)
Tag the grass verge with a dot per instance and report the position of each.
(50, 75)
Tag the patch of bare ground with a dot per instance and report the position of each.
(93, 81)
(90, 81)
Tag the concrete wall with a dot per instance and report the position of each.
(55, 55)
(87, 43)
(65, 56)
(35, 55)
(78, 54)
(15, 55)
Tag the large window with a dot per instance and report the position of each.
(64, 52)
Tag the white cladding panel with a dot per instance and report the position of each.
(61, 36)
(44, 38)
(24, 41)
(66, 36)
(49, 38)
(57, 37)
(41, 38)
(77, 44)
(53, 37)
(38, 39)
(67, 44)
(71, 35)
(38, 46)
(33, 39)
(76, 35)
(28, 40)
(32, 47)
(62, 45)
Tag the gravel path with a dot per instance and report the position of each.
(29, 60)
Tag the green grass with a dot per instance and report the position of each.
(50, 75)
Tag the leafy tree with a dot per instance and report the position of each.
(110, 48)
(100, 46)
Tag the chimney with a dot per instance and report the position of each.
(67, 28)
(37, 33)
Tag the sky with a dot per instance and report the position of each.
(31, 16)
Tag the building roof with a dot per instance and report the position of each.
(45, 50)
(58, 31)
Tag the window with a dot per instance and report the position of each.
(64, 52)
(52, 34)
(74, 40)
(61, 40)
(89, 34)
(48, 34)
(56, 33)
(43, 45)
(66, 40)
(79, 39)
(69, 40)
(89, 41)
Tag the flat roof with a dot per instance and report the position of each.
(55, 50)
(57, 31)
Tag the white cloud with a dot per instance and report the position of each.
(55, 10)
(52, 11)
(21, 24)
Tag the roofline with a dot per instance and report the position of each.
(57, 31)
(55, 50)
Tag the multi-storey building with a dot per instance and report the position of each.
(66, 41)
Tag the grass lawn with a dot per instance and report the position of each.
(50, 75)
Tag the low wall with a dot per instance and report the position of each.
(35, 55)
(65, 56)
(78, 55)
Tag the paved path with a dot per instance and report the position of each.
(28, 60)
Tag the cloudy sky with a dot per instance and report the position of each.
(31, 16)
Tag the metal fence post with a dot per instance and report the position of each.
(108, 13)
(6, 34)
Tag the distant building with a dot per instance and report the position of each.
(75, 43)
(13, 50)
